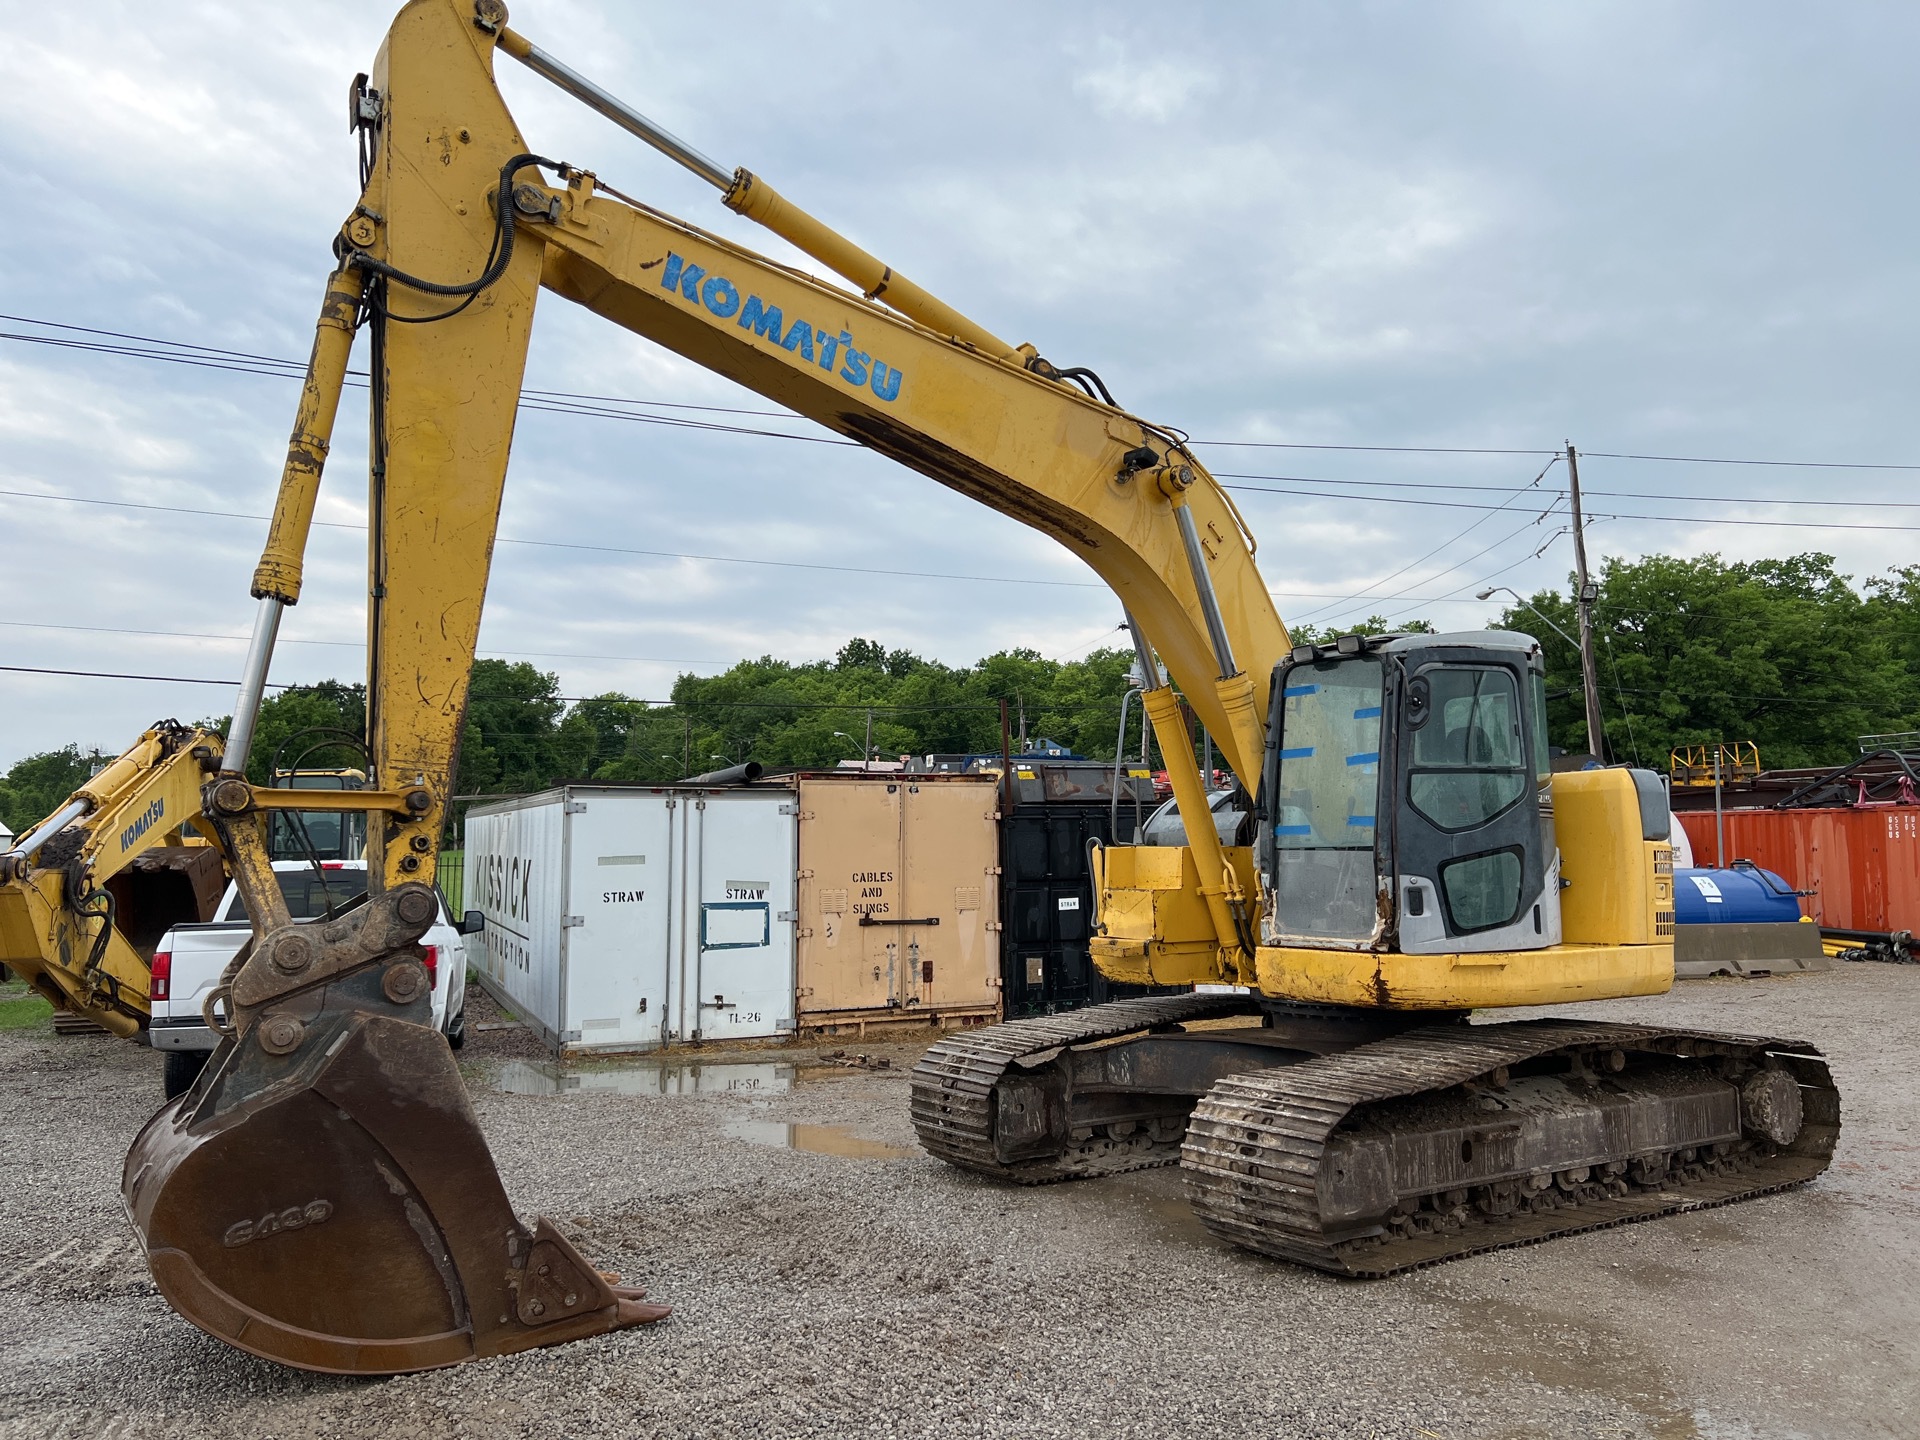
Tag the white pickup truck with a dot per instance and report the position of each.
(188, 962)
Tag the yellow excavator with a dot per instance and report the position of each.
(86, 893)
(323, 1195)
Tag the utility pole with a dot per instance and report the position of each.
(1588, 592)
(866, 752)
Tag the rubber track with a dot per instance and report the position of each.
(1256, 1142)
(953, 1084)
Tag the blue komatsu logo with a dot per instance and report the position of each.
(723, 298)
(147, 820)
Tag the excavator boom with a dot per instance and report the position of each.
(330, 1137)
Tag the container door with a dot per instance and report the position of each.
(950, 959)
(742, 845)
(621, 865)
(850, 854)
(513, 872)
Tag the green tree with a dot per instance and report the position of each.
(1372, 625)
(39, 784)
(1783, 652)
(300, 728)
(508, 741)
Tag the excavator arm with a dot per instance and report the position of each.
(86, 892)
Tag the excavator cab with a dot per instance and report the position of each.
(1406, 795)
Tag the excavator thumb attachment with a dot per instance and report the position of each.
(323, 1196)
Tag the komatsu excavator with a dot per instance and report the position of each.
(86, 893)
(323, 1196)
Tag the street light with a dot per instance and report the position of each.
(1491, 590)
(864, 757)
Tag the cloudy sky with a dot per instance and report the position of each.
(1654, 229)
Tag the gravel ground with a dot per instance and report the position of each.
(880, 1293)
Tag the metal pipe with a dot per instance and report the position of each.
(1584, 598)
(1143, 652)
(699, 849)
(668, 951)
(615, 109)
(734, 775)
(69, 813)
(253, 685)
(1119, 760)
(1203, 587)
(747, 194)
(1719, 815)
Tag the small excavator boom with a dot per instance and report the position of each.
(86, 892)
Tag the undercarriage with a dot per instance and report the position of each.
(1363, 1142)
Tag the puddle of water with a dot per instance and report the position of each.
(524, 1077)
(817, 1139)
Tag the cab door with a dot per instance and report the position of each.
(1469, 862)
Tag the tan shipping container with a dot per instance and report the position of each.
(899, 901)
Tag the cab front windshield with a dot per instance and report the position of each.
(1327, 799)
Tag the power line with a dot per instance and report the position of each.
(1676, 519)
(573, 545)
(1722, 460)
(345, 644)
(114, 675)
(1585, 490)
(280, 367)
(300, 369)
(552, 401)
(692, 706)
(1528, 488)
(1372, 449)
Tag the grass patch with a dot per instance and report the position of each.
(451, 875)
(22, 1011)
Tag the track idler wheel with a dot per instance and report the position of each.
(323, 1197)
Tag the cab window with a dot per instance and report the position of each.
(1469, 760)
(308, 895)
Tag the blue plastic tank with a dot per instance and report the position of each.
(1745, 895)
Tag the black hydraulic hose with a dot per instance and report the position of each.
(1083, 375)
(501, 256)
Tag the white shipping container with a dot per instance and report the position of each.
(625, 919)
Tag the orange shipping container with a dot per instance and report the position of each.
(1863, 866)
(899, 901)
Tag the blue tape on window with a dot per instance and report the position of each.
(1370, 757)
(1305, 752)
(1293, 690)
(1364, 821)
(1293, 829)
(1371, 712)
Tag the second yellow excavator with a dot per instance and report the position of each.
(323, 1195)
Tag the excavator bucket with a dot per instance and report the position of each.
(323, 1196)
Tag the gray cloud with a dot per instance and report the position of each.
(1682, 230)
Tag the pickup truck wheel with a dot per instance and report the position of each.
(183, 1068)
(457, 1030)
